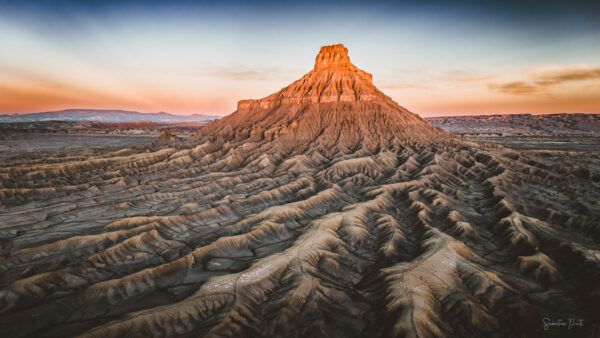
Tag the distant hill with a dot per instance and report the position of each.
(104, 116)
(581, 124)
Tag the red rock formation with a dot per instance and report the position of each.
(335, 98)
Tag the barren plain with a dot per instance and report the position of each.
(325, 209)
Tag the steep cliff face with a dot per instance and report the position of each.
(335, 98)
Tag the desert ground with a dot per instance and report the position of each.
(558, 143)
(325, 209)
(524, 124)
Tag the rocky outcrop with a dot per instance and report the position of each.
(335, 98)
(167, 139)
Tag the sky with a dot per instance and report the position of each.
(433, 57)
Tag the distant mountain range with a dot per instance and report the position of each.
(577, 124)
(104, 116)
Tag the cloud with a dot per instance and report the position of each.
(556, 75)
(544, 79)
(404, 85)
(431, 80)
(517, 88)
(241, 73)
(466, 77)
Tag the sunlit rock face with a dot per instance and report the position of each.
(335, 107)
(322, 210)
(334, 56)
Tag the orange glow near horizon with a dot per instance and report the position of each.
(37, 98)
(487, 95)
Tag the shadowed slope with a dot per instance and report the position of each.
(355, 228)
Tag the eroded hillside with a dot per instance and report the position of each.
(301, 216)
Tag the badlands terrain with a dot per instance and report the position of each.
(524, 124)
(325, 209)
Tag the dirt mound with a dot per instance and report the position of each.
(167, 139)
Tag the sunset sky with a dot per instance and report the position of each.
(186, 57)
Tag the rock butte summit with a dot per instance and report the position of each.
(335, 99)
